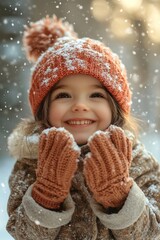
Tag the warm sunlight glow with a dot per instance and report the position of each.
(100, 10)
(153, 22)
(121, 27)
(131, 5)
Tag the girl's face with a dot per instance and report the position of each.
(79, 103)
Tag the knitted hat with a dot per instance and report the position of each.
(59, 53)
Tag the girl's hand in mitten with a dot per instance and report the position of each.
(106, 168)
(57, 163)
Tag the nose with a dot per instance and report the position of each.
(78, 107)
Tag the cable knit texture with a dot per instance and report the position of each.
(56, 167)
(107, 168)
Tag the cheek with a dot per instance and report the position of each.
(105, 115)
(55, 115)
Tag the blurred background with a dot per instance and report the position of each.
(130, 28)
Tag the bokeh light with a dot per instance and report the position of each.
(100, 10)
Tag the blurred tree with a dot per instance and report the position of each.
(12, 18)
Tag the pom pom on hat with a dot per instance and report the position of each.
(41, 35)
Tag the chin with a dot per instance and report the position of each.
(81, 141)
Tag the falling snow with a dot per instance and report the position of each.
(139, 53)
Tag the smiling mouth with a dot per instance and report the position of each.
(80, 122)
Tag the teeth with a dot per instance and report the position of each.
(82, 122)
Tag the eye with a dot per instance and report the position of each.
(62, 95)
(97, 95)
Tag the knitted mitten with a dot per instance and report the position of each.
(57, 163)
(106, 168)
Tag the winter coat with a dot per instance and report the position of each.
(81, 217)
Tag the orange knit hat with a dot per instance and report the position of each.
(58, 52)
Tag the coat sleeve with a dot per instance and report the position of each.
(27, 219)
(139, 218)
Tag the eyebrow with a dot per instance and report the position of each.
(92, 86)
(98, 86)
(59, 87)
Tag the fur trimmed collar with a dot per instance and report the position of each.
(23, 141)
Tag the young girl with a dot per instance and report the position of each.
(81, 173)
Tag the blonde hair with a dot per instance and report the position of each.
(119, 118)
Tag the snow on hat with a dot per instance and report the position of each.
(58, 52)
